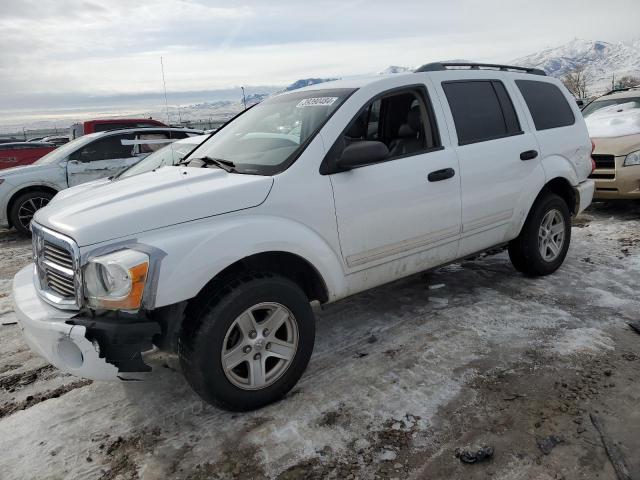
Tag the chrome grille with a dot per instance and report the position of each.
(56, 257)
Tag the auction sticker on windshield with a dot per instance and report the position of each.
(316, 102)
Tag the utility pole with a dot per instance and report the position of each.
(244, 98)
(166, 103)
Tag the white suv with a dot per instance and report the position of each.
(312, 195)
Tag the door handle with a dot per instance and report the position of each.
(528, 155)
(439, 175)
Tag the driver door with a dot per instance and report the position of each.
(101, 158)
(406, 208)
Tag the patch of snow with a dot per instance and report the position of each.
(583, 340)
(614, 121)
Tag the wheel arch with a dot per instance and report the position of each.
(562, 187)
(289, 265)
(27, 189)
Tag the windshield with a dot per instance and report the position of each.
(64, 150)
(267, 139)
(168, 155)
(598, 104)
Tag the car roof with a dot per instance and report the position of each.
(28, 144)
(120, 131)
(355, 82)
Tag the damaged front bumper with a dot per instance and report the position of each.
(99, 349)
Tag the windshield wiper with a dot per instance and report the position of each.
(226, 165)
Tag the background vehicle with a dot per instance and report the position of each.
(56, 140)
(22, 153)
(613, 121)
(312, 195)
(93, 126)
(26, 189)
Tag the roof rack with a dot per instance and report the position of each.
(439, 66)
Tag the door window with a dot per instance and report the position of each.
(403, 121)
(481, 110)
(104, 149)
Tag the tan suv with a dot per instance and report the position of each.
(613, 121)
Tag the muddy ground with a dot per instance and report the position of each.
(472, 354)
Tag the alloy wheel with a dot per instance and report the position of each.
(28, 209)
(551, 235)
(259, 346)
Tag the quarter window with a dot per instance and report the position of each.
(481, 109)
(547, 104)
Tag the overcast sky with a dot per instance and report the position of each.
(90, 47)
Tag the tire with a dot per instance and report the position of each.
(217, 325)
(23, 208)
(526, 251)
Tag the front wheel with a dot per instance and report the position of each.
(25, 206)
(544, 240)
(248, 345)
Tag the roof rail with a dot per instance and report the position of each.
(439, 66)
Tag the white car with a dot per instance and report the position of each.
(167, 156)
(23, 190)
(219, 257)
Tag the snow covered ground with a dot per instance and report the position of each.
(401, 376)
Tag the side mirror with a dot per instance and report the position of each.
(580, 102)
(362, 153)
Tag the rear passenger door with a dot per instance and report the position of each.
(499, 159)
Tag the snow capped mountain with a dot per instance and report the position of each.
(601, 60)
(305, 82)
(395, 69)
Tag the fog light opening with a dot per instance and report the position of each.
(70, 354)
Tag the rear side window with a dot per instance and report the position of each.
(548, 106)
(481, 109)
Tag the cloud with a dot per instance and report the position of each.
(90, 47)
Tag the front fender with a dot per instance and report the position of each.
(198, 251)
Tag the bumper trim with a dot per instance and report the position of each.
(584, 195)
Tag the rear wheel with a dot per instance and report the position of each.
(544, 240)
(248, 345)
(25, 206)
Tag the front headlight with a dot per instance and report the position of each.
(632, 159)
(116, 281)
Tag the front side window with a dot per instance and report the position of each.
(402, 120)
(267, 138)
(482, 110)
(107, 148)
(548, 106)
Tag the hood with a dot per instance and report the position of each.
(614, 121)
(617, 146)
(164, 197)
(79, 188)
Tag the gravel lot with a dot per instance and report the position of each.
(402, 376)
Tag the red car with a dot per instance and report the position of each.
(92, 126)
(16, 154)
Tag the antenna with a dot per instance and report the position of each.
(166, 104)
